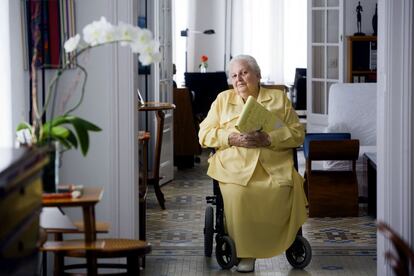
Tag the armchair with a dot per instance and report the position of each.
(331, 193)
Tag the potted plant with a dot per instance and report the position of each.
(68, 130)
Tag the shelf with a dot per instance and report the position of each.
(362, 59)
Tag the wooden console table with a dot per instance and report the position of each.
(154, 179)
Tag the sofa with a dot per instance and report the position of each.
(352, 108)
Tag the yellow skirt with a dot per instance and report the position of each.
(263, 218)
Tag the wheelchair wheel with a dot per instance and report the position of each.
(208, 231)
(299, 254)
(226, 252)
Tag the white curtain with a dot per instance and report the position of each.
(274, 32)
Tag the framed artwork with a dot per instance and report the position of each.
(46, 25)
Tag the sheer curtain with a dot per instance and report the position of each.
(274, 32)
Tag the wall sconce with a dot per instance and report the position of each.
(186, 32)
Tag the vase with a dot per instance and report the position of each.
(50, 175)
(203, 69)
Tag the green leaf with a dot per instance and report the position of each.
(82, 127)
(82, 134)
(59, 132)
(23, 125)
(55, 130)
(72, 139)
(86, 124)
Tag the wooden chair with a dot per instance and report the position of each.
(332, 193)
(130, 249)
(66, 228)
(402, 262)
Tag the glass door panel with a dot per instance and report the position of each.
(332, 62)
(333, 3)
(318, 3)
(318, 96)
(318, 68)
(332, 25)
(318, 26)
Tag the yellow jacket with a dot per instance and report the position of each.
(236, 165)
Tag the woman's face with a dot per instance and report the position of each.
(245, 81)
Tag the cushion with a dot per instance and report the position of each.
(352, 108)
(322, 137)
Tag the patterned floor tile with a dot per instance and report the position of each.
(339, 245)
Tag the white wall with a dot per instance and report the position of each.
(5, 78)
(109, 102)
(208, 15)
(19, 81)
(13, 100)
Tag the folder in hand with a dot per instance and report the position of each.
(255, 117)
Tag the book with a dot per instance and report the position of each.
(49, 196)
(373, 55)
(255, 117)
(65, 188)
(65, 191)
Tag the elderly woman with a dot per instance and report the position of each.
(264, 200)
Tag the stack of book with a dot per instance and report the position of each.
(65, 191)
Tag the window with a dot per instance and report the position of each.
(274, 32)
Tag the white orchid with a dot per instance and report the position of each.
(98, 32)
(127, 33)
(64, 127)
(140, 40)
(72, 43)
(147, 59)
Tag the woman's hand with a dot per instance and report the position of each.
(255, 139)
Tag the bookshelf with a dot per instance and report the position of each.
(362, 59)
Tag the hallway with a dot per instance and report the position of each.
(344, 246)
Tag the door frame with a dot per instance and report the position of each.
(395, 131)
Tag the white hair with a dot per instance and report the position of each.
(251, 61)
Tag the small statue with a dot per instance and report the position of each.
(359, 17)
(374, 20)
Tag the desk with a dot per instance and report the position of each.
(88, 200)
(154, 179)
(371, 159)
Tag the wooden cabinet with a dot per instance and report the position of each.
(20, 203)
(362, 59)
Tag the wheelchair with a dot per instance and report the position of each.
(299, 254)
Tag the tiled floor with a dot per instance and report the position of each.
(340, 246)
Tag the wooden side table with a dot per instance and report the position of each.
(90, 197)
(154, 179)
